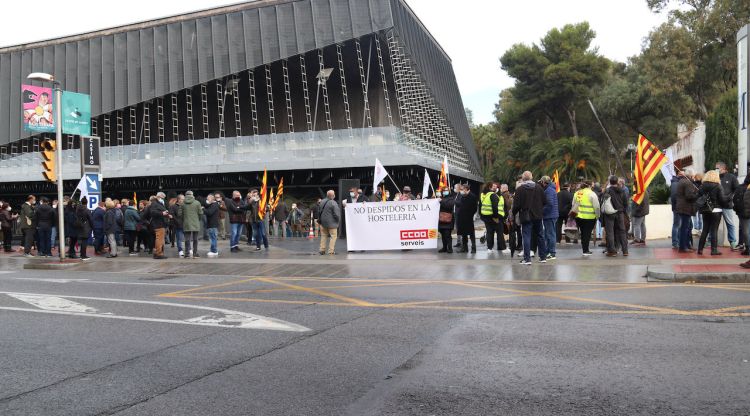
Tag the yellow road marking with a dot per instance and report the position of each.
(234, 282)
(574, 298)
(293, 302)
(354, 301)
(474, 298)
(239, 292)
(469, 308)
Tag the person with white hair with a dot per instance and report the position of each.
(330, 218)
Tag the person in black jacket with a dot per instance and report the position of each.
(614, 224)
(446, 226)
(159, 216)
(211, 210)
(465, 219)
(83, 226)
(729, 184)
(639, 220)
(45, 219)
(564, 205)
(712, 210)
(529, 205)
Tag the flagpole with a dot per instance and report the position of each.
(617, 156)
(392, 181)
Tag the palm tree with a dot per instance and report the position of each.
(575, 157)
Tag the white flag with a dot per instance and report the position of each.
(380, 174)
(83, 188)
(667, 169)
(427, 185)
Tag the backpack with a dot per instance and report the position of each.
(607, 206)
(738, 200)
(705, 204)
(119, 218)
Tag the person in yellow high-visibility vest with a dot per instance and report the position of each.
(586, 210)
(492, 212)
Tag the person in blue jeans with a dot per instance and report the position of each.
(685, 196)
(550, 213)
(211, 212)
(529, 205)
(236, 208)
(97, 218)
(259, 227)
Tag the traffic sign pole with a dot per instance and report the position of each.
(58, 141)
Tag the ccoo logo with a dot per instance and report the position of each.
(418, 234)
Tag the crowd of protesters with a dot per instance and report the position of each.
(118, 227)
(532, 217)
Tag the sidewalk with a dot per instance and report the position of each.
(657, 261)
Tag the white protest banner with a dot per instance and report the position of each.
(394, 225)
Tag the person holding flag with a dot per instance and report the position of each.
(261, 200)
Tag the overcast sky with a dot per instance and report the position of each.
(475, 33)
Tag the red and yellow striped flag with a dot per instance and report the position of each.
(648, 160)
(263, 197)
(443, 178)
(556, 180)
(279, 192)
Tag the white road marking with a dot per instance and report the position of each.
(218, 317)
(53, 303)
(50, 280)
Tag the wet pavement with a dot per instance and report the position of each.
(290, 332)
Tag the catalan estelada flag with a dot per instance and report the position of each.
(648, 160)
(279, 192)
(263, 197)
(556, 180)
(135, 200)
(271, 201)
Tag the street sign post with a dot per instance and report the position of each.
(90, 158)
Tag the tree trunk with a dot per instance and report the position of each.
(572, 117)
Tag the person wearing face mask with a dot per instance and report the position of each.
(492, 212)
(159, 216)
(354, 197)
(446, 221)
(258, 225)
(6, 224)
(236, 208)
(465, 219)
(406, 195)
(280, 215)
(295, 220)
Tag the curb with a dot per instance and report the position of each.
(666, 274)
(50, 266)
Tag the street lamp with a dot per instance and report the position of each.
(631, 150)
(44, 77)
(322, 77)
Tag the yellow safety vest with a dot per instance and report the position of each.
(585, 207)
(486, 202)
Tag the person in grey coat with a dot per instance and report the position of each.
(329, 219)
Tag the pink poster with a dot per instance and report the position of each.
(37, 108)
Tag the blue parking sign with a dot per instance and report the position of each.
(93, 201)
(92, 183)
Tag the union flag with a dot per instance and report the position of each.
(648, 160)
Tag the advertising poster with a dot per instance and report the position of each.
(38, 110)
(76, 113)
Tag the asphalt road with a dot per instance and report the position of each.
(325, 339)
